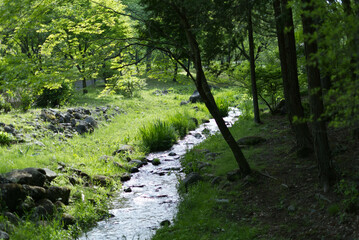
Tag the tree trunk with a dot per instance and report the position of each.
(208, 99)
(148, 59)
(175, 72)
(252, 65)
(288, 59)
(321, 144)
(84, 86)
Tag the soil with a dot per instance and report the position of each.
(285, 197)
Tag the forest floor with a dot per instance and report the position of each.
(281, 199)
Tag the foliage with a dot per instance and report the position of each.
(4, 105)
(54, 95)
(124, 84)
(158, 135)
(351, 195)
(5, 138)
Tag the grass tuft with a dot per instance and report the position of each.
(5, 138)
(158, 136)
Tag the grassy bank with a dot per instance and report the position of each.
(281, 199)
(88, 203)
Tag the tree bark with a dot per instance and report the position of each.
(205, 93)
(84, 86)
(148, 59)
(175, 72)
(288, 59)
(252, 65)
(321, 144)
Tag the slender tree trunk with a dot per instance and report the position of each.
(175, 72)
(137, 60)
(205, 93)
(288, 59)
(148, 59)
(188, 66)
(229, 56)
(321, 144)
(84, 86)
(252, 65)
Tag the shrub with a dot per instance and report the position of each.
(26, 100)
(126, 85)
(4, 105)
(5, 138)
(52, 96)
(158, 136)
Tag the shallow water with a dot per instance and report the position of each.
(154, 197)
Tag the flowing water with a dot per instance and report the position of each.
(154, 197)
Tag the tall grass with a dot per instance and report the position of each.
(223, 106)
(182, 123)
(158, 136)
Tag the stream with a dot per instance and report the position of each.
(154, 197)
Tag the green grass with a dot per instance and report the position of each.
(182, 122)
(200, 215)
(84, 152)
(196, 219)
(158, 136)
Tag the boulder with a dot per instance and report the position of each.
(119, 165)
(91, 121)
(195, 97)
(4, 180)
(4, 235)
(38, 213)
(191, 178)
(12, 195)
(136, 163)
(165, 223)
(156, 162)
(29, 176)
(9, 129)
(134, 170)
(67, 220)
(35, 192)
(12, 218)
(49, 174)
(82, 127)
(123, 149)
(125, 177)
(47, 205)
(78, 116)
(102, 180)
(58, 194)
(198, 135)
(250, 140)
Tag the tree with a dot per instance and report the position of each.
(288, 59)
(321, 144)
(252, 64)
(177, 23)
(86, 38)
